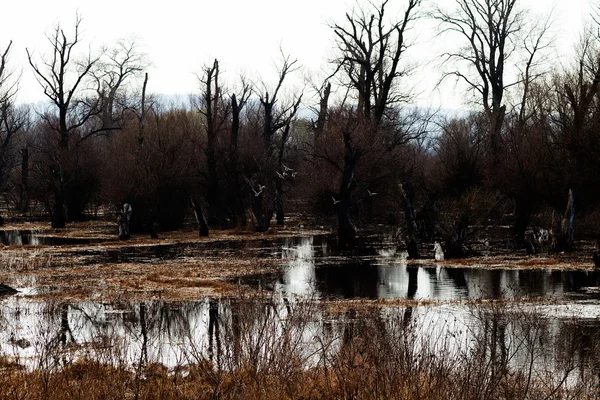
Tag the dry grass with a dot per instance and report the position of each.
(265, 356)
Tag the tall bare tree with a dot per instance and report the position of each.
(238, 103)
(488, 30)
(12, 118)
(216, 114)
(81, 100)
(370, 64)
(277, 119)
(370, 54)
(120, 63)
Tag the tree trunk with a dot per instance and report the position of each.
(522, 217)
(319, 126)
(280, 216)
(202, 225)
(239, 214)
(125, 222)
(262, 218)
(346, 227)
(59, 215)
(454, 243)
(279, 182)
(563, 233)
(412, 242)
(24, 195)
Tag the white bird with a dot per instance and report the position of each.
(279, 175)
(261, 187)
(286, 168)
(294, 174)
(371, 194)
(256, 194)
(334, 200)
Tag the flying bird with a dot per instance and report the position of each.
(371, 194)
(286, 168)
(256, 194)
(279, 175)
(335, 201)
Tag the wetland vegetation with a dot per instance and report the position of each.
(334, 242)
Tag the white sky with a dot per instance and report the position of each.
(179, 36)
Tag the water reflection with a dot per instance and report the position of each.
(38, 237)
(232, 331)
(310, 268)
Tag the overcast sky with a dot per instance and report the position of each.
(179, 36)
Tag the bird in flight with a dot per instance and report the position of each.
(371, 194)
(335, 201)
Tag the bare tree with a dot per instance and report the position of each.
(122, 62)
(238, 103)
(63, 79)
(76, 114)
(370, 65)
(216, 113)
(276, 119)
(12, 118)
(370, 54)
(488, 29)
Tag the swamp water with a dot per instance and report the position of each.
(562, 332)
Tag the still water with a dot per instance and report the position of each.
(40, 333)
(312, 268)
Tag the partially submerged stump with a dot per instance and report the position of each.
(125, 222)
(412, 242)
(536, 240)
(202, 225)
(563, 233)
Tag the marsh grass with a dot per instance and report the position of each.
(257, 348)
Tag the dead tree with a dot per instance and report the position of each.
(120, 63)
(274, 120)
(318, 126)
(64, 81)
(412, 241)
(23, 195)
(370, 54)
(12, 118)
(237, 198)
(215, 113)
(125, 222)
(563, 233)
(488, 29)
(369, 65)
(289, 119)
(200, 220)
